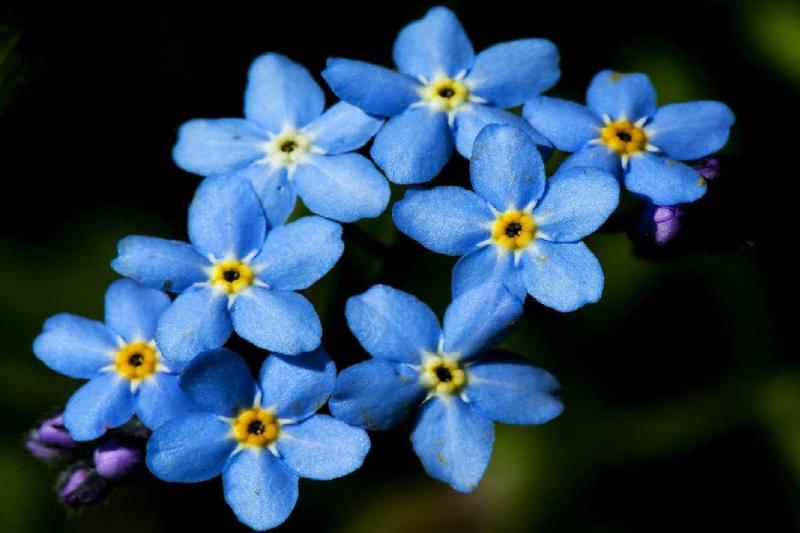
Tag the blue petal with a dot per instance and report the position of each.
(434, 44)
(577, 202)
(569, 126)
(564, 276)
(281, 92)
(621, 95)
(343, 187)
(507, 74)
(453, 442)
(273, 188)
(220, 146)
(297, 386)
(479, 318)
(298, 254)
(597, 156)
(278, 321)
(322, 447)
(506, 169)
(376, 90)
(376, 394)
(663, 181)
(448, 220)
(75, 346)
(691, 130)
(260, 488)
(392, 324)
(471, 120)
(171, 266)
(509, 389)
(159, 400)
(487, 265)
(219, 381)
(132, 310)
(197, 321)
(226, 218)
(103, 403)
(343, 128)
(413, 147)
(190, 448)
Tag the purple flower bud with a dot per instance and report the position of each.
(53, 433)
(708, 167)
(41, 451)
(114, 459)
(662, 221)
(81, 486)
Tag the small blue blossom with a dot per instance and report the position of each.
(621, 131)
(261, 437)
(443, 94)
(516, 228)
(286, 146)
(122, 362)
(447, 376)
(237, 273)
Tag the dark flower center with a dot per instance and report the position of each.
(256, 427)
(624, 136)
(513, 229)
(231, 275)
(288, 146)
(446, 92)
(136, 359)
(444, 374)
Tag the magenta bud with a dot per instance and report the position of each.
(53, 433)
(81, 486)
(115, 460)
(708, 167)
(663, 222)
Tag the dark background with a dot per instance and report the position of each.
(682, 407)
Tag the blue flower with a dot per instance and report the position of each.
(446, 376)
(237, 274)
(620, 130)
(443, 93)
(260, 436)
(516, 228)
(286, 146)
(122, 362)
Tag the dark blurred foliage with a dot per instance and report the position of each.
(683, 405)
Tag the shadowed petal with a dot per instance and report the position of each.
(377, 394)
(260, 488)
(453, 442)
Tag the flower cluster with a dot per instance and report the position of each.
(163, 361)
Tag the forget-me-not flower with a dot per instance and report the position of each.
(516, 228)
(237, 273)
(443, 93)
(286, 146)
(122, 362)
(260, 436)
(446, 375)
(621, 130)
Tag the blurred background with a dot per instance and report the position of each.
(682, 403)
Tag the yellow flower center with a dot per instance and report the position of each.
(256, 427)
(137, 360)
(443, 375)
(288, 147)
(445, 94)
(623, 137)
(514, 230)
(232, 276)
